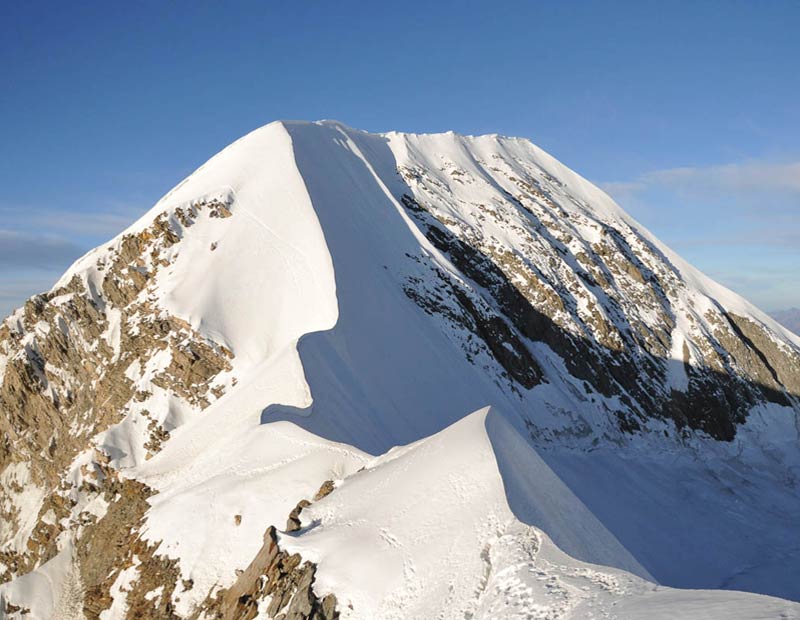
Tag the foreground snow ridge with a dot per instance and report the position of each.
(335, 374)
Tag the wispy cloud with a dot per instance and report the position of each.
(740, 222)
(14, 291)
(85, 224)
(747, 176)
(774, 234)
(93, 224)
(26, 251)
(745, 203)
(37, 245)
(741, 181)
(789, 318)
(623, 188)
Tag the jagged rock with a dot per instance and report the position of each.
(326, 489)
(66, 380)
(277, 576)
(293, 522)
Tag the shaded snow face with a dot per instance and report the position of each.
(476, 540)
(314, 295)
(490, 273)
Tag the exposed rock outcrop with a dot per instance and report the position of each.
(75, 365)
(276, 583)
(606, 307)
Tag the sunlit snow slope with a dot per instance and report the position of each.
(586, 421)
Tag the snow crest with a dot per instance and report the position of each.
(536, 505)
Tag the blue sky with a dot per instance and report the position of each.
(686, 112)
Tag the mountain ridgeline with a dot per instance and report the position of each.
(370, 289)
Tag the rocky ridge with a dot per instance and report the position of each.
(598, 294)
(80, 359)
(521, 272)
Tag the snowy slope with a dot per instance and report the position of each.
(338, 293)
(428, 531)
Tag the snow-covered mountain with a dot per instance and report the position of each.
(200, 420)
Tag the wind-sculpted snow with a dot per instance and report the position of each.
(453, 526)
(315, 295)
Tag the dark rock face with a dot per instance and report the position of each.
(473, 313)
(326, 489)
(607, 308)
(282, 579)
(293, 522)
(105, 547)
(114, 544)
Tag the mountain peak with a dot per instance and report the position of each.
(315, 295)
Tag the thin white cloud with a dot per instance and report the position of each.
(38, 245)
(752, 203)
(21, 251)
(752, 175)
(14, 291)
(620, 189)
(739, 222)
(101, 224)
(94, 224)
(771, 234)
(741, 181)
